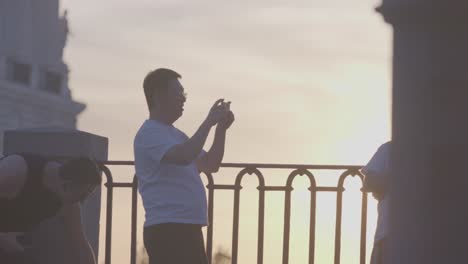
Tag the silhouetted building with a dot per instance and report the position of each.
(34, 92)
(33, 76)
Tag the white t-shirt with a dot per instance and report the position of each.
(171, 193)
(379, 166)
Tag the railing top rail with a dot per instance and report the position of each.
(290, 166)
(118, 162)
(262, 165)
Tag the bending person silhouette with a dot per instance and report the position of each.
(33, 189)
(168, 165)
(376, 181)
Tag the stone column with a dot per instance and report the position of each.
(48, 241)
(36, 77)
(429, 192)
(2, 67)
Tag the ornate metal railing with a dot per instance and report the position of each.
(252, 169)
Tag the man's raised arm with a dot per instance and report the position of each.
(212, 160)
(188, 151)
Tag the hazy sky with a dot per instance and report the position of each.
(309, 80)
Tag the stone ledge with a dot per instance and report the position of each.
(55, 142)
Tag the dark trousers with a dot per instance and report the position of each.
(173, 243)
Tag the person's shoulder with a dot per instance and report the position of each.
(378, 160)
(151, 132)
(180, 133)
(386, 144)
(144, 131)
(385, 147)
(151, 126)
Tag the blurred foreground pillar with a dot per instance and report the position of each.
(429, 194)
(48, 239)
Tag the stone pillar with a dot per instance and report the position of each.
(48, 240)
(2, 67)
(36, 77)
(2, 26)
(429, 191)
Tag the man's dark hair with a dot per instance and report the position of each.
(81, 171)
(157, 81)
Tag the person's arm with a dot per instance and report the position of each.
(375, 183)
(80, 249)
(211, 161)
(185, 153)
(375, 172)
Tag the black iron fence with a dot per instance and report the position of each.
(252, 169)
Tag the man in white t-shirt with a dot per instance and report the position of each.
(376, 181)
(168, 165)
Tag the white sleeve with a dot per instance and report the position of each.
(185, 137)
(378, 163)
(157, 143)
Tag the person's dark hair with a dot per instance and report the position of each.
(157, 81)
(81, 171)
